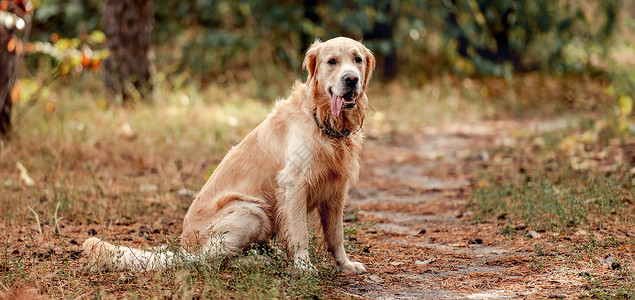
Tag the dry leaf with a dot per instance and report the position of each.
(24, 175)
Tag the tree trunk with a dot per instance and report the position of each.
(310, 13)
(7, 79)
(128, 29)
(383, 32)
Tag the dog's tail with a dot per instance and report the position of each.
(105, 255)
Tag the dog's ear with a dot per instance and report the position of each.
(370, 67)
(310, 59)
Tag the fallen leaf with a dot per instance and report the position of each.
(24, 175)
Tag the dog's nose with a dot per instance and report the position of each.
(350, 80)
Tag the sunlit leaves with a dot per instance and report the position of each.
(10, 20)
(625, 104)
(73, 54)
(25, 88)
(500, 37)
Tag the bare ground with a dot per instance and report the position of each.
(424, 245)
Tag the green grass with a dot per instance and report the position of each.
(545, 187)
(561, 201)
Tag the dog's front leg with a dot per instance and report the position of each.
(332, 225)
(293, 210)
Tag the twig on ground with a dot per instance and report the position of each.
(37, 220)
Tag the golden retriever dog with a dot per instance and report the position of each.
(303, 157)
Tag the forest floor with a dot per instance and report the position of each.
(417, 191)
(127, 175)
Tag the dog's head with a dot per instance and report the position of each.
(339, 72)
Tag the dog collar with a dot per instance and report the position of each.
(326, 128)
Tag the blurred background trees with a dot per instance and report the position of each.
(128, 29)
(222, 41)
(468, 37)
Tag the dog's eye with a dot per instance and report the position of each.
(331, 62)
(358, 60)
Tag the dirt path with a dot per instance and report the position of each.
(417, 189)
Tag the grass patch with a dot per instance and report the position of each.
(555, 182)
(562, 201)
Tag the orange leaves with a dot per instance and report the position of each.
(15, 92)
(95, 63)
(86, 61)
(75, 54)
(50, 107)
(11, 44)
(16, 45)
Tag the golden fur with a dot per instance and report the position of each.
(284, 169)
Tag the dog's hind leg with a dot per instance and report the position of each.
(236, 226)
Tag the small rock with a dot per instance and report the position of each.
(396, 263)
(475, 241)
(534, 235)
(425, 262)
(373, 279)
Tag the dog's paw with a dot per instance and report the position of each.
(304, 266)
(352, 267)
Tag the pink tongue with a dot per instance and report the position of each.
(336, 105)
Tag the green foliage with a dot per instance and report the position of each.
(464, 36)
(499, 37)
(66, 18)
(220, 32)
